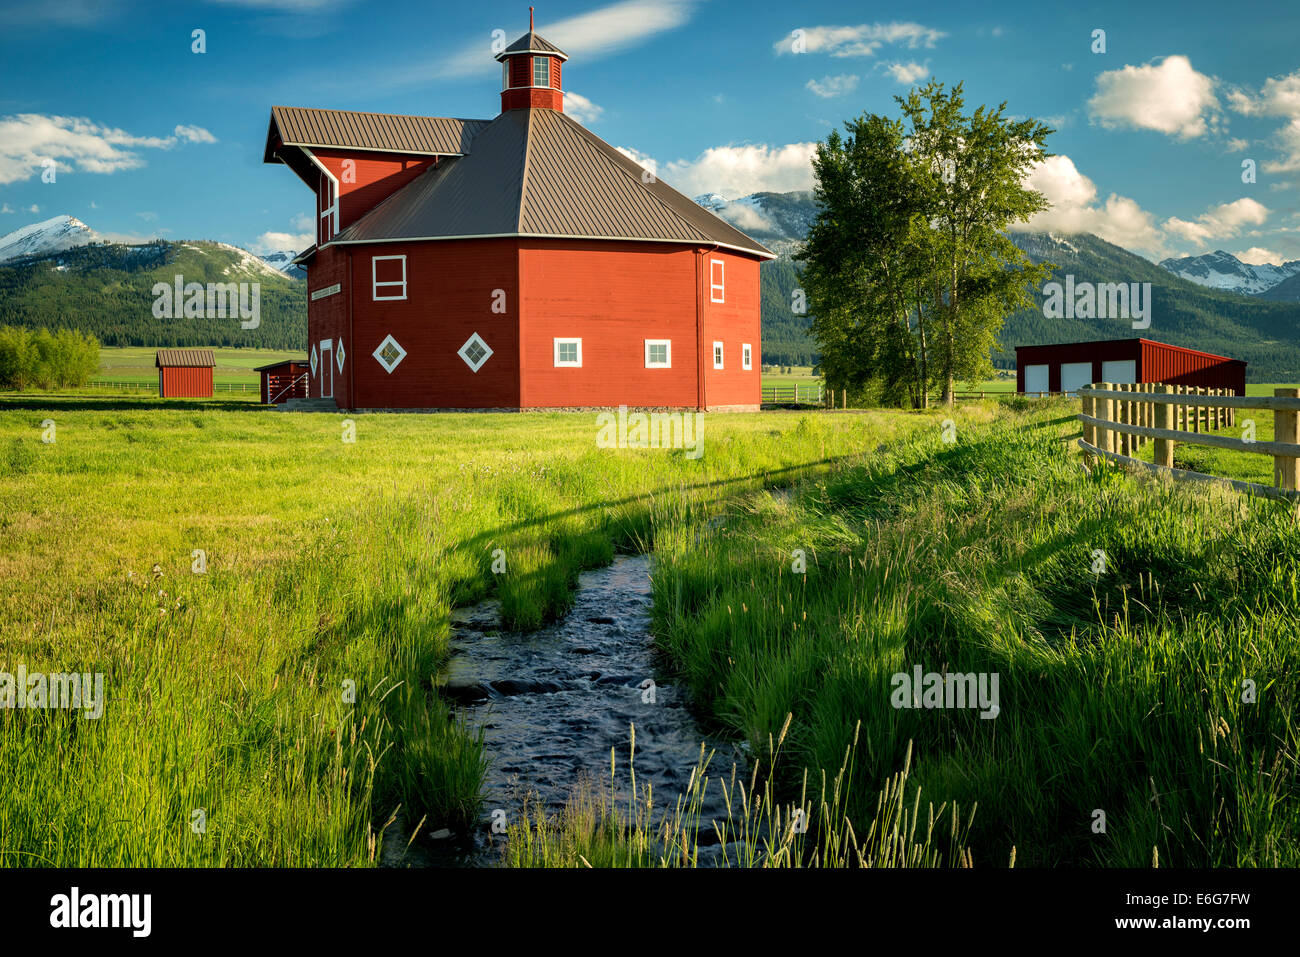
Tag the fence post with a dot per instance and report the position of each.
(1165, 414)
(1107, 414)
(1286, 428)
(1088, 406)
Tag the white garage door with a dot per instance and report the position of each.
(1075, 375)
(1036, 378)
(1119, 370)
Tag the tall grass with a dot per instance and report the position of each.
(1122, 692)
(287, 693)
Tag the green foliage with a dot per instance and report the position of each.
(46, 360)
(909, 267)
(106, 290)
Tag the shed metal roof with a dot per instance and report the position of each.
(1131, 340)
(539, 173)
(187, 358)
(383, 132)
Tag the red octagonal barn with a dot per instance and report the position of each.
(513, 263)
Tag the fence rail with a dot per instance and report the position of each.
(1119, 419)
(811, 394)
(151, 388)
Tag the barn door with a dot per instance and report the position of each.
(1036, 378)
(1075, 375)
(327, 369)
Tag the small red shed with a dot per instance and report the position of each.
(1067, 366)
(184, 373)
(284, 380)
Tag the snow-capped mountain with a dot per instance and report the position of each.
(1222, 270)
(51, 236)
(779, 221)
(283, 262)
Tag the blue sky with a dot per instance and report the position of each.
(152, 139)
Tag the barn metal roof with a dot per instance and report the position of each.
(530, 42)
(1130, 341)
(188, 358)
(537, 173)
(383, 132)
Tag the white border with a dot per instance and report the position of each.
(396, 362)
(667, 363)
(375, 284)
(717, 347)
(555, 353)
(717, 289)
(746, 356)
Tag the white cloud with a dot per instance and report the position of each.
(33, 208)
(862, 40)
(1280, 97)
(194, 134)
(588, 36)
(148, 217)
(1075, 209)
(304, 224)
(292, 6)
(644, 160)
(1258, 256)
(829, 86)
(580, 109)
(1169, 97)
(6, 208)
(908, 73)
(746, 218)
(273, 242)
(26, 139)
(1219, 222)
(1237, 144)
(741, 170)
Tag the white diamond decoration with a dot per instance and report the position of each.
(475, 352)
(388, 355)
(313, 360)
(339, 356)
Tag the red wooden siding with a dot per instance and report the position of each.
(327, 318)
(187, 382)
(450, 286)
(529, 96)
(613, 296)
(733, 322)
(377, 176)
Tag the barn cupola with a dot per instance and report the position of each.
(530, 73)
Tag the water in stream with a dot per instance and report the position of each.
(552, 703)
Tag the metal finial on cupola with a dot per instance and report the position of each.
(530, 19)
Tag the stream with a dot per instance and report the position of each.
(553, 702)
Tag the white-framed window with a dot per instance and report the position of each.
(541, 71)
(388, 354)
(658, 354)
(505, 74)
(568, 352)
(717, 355)
(717, 283)
(387, 277)
(746, 356)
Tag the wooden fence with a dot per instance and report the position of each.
(1120, 419)
(799, 394)
(151, 388)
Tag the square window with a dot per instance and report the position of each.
(746, 356)
(717, 284)
(541, 71)
(717, 355)
(658, 354)
(568, 352)
(387, 277)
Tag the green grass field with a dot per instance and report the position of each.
(287, 691)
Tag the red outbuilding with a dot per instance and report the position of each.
(184, 373)
(513, 263)
(1067, 366)
(282, 381)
